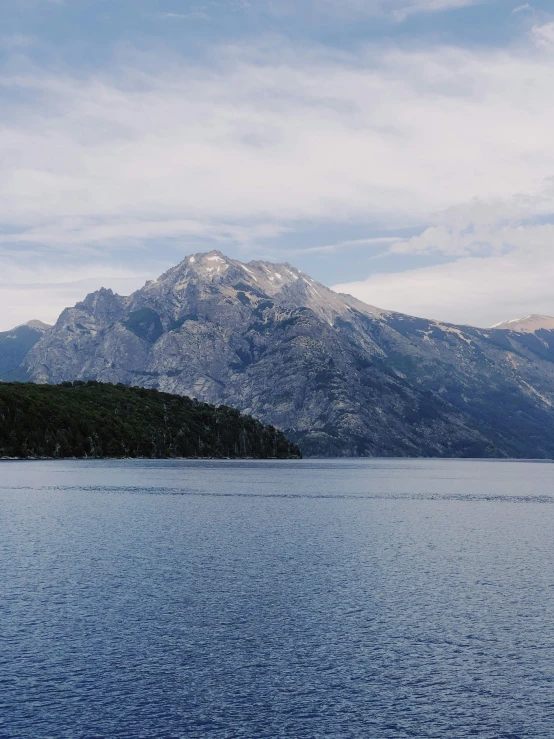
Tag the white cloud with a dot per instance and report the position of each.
(20, 303)
(395, 10)
(475, 290)
(544, 35)
(483, 227)
(272, 136)
(522, 8)
(456, 142)
(130, 234)
(28, 292)
(502, 264)
(340, 246)
(192, 15)
(398, 9)
(433, 6)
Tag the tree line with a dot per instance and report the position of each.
(98, 420)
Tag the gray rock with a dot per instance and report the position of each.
(338, 376)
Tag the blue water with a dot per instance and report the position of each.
(277, 599)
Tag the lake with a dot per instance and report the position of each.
(300, 599)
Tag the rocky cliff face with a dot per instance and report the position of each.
(338, 376)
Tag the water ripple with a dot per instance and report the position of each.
(168, 601)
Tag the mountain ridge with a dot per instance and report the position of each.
(529, 324)
(338, 376)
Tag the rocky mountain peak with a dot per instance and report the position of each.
(38, 325)
(208, 267)
(206, 275)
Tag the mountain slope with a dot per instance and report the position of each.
(15, 344)
(338, 376)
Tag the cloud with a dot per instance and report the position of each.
(476, 290)
(343, 245)
(264, 139)
(433, 6)
(522, 8)
(25, 302)
(544, 35)
(397, 9)
(193, 15)
(317, 10)
(28, 291)
(271, 135)
(130, 234)
(502, 263)
(482, 227)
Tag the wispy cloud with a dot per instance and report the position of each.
(396, 9)
(192, 15)
(30, 289)
(501, 263)
(267, 137)
(273, 136)
(522, 8)
(341, 246)
(474, 290)
(432, 6)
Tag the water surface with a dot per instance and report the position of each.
(364, 598)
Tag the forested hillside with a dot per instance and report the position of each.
(96, 419)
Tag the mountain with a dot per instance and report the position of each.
(529, 324)
(337, 376)
(98, 420)
(15, 344)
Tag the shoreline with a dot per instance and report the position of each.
(153, 459)
(544, 460)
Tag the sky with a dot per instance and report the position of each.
(398, 150)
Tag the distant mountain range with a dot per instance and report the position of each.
(337, 376)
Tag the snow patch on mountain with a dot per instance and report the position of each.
(528, 324)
